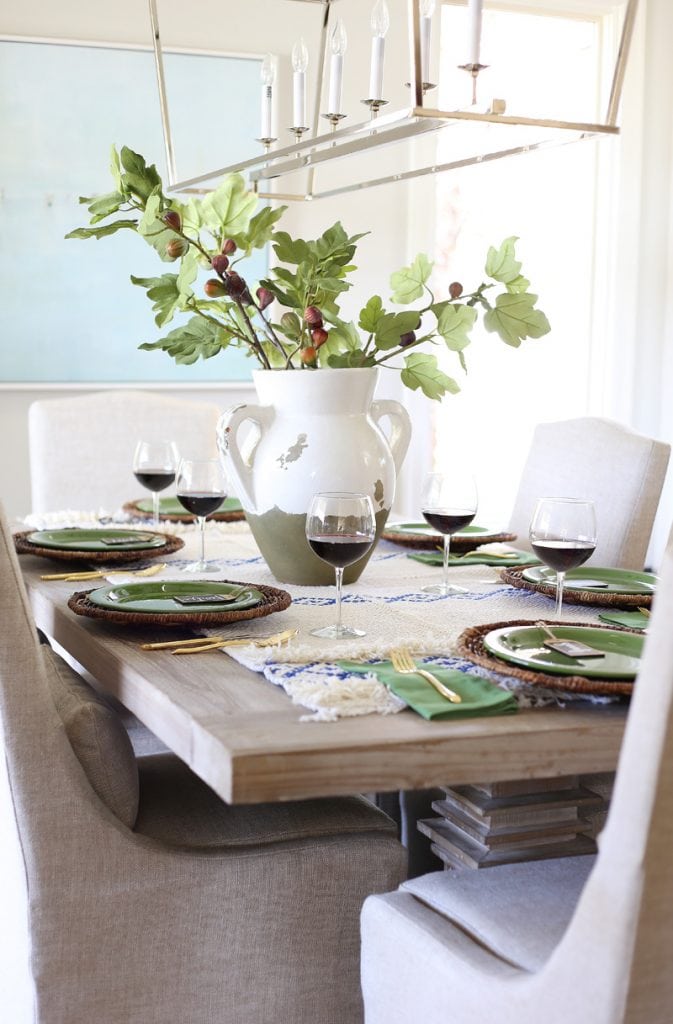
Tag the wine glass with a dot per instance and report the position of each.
(563, 536)
(449, 504)
(154, 466)
(341, 528)
(202, 487)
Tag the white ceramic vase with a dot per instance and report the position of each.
(312, 431)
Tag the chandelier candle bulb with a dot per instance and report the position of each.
(268, 75)
(299, 64)
(474, 10)
(427, 10)
(338, 45)
(380, 24)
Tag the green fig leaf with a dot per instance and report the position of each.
(514, 318)
(260, 230)
(164, 294)
(501, 264)
(103, 230)
(228, 210)
(391, 327)
(371, 314)
(454, 323)
(519, 284)
(198, 338)
(138, 178)
(407, 284)
(421, 371)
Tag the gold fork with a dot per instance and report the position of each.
(213, 643)
(402, 662)
(97, 574)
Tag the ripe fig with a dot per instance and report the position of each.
(220, 263)
(214, 288)
(228, 246)
(172, 219)
(235, 285)
(313, 316)
(308, 355)
(319, 336)
(407, 339)
(177, 247)
(264, 297)
(455, 289)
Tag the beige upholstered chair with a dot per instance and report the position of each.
(620, 471)
(131, 893)
(81, 449)
(585, 940)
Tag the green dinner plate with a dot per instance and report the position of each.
(159, 597)
(616, 581)
(170, 506)
(425, 530)
(524, 645)
(474, 558)
(94, 540)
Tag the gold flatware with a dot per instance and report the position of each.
(645, 612)
(402, 662)
(98, 574)
(206, 643)
(548, 632)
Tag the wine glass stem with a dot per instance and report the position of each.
(202, 531)
(560, 580)
(339, 573)
(155, 508)
(447, 548)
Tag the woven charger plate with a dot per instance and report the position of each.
(173, 544)
(458, 542)
(514, 577)
(133, 509)
(273, 600)
(470, 645)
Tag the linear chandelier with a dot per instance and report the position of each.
(313, 147)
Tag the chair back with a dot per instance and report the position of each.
(621, 471)
(81, 448)
(618, 943)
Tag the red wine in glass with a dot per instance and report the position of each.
(448, 504)
(200, 504)
(341, 550)
(563, 536)
(340, 529)
(202, 487)
(563, 554)
(154, 466)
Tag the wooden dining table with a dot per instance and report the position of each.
(247, 740)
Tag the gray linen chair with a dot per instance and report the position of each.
(81, 448)
(585, 940)
(131, 893)
(621, 471)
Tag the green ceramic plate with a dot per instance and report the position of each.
(524, 645)
(159, 597)
(474, 558)
(632, 620)
(425, 530)
(95, 540)
(603, 581)
(171, 506)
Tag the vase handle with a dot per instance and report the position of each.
(237, 462)
(400, 427)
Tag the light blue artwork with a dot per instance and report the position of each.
(69, 312)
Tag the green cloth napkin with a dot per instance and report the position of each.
(474, 558)
(479, 697)
(634, 620)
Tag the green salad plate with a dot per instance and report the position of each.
(590, 578)
(170, 506)
(156, 597)
(96, 540)
(525, 646)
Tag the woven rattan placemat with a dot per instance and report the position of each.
(470, 645)
(273, 600)
(460, 543)
(111, 557)
(605, 599)
(133, 508)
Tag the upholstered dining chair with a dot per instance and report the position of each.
(584, 940)
(131, 894)
(621, 471)
(81, 449)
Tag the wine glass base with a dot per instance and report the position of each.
(337, 632)
(201, 567)
(443, 589)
